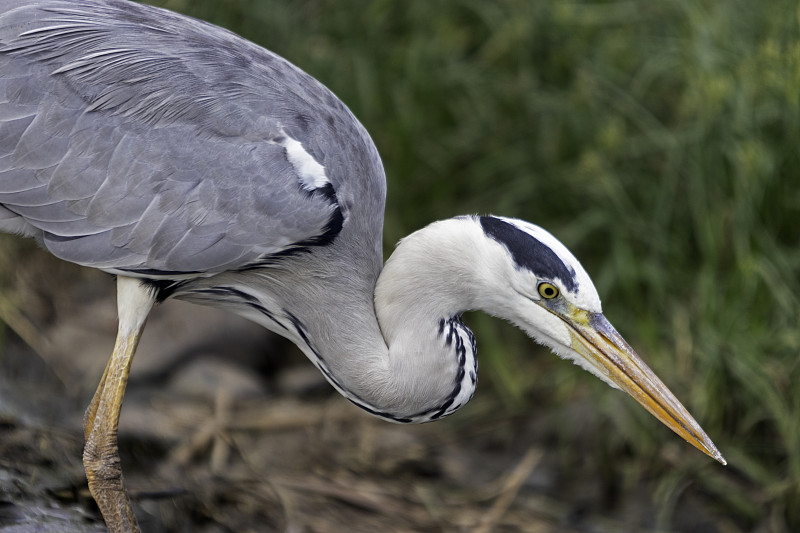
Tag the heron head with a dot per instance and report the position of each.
(546, 292)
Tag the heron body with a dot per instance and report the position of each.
(194, 164)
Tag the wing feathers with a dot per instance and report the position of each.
(131, 137)
(37, 148)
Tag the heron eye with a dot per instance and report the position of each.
(548, 291)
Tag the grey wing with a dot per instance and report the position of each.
(134, 139)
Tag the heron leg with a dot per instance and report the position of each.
(91, 411)
(101, 454)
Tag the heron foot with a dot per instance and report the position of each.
(104, 472)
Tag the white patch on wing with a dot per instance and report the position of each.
(312, 174)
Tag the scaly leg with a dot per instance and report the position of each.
(101, 454)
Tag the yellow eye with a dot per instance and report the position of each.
(548, 291)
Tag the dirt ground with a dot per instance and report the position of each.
(226, 428)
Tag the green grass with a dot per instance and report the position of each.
(660, 141)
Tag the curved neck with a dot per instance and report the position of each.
(424, 287)
(400, 352)
(427, 367)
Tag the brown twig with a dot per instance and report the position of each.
(510, 488)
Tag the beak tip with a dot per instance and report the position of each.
(711, 450)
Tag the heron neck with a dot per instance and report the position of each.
(433, 276)
(391, 341)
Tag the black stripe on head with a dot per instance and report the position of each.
(529, 253)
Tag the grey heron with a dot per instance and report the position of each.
(193, 164)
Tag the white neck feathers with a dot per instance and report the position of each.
(432, 277)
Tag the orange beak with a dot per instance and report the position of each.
(598, 342)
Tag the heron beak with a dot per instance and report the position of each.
(598, 342)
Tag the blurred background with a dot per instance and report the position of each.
(658, 140)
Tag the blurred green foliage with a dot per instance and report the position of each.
(660, 141)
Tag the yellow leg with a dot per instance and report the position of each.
(91, 411)
(101, 454)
